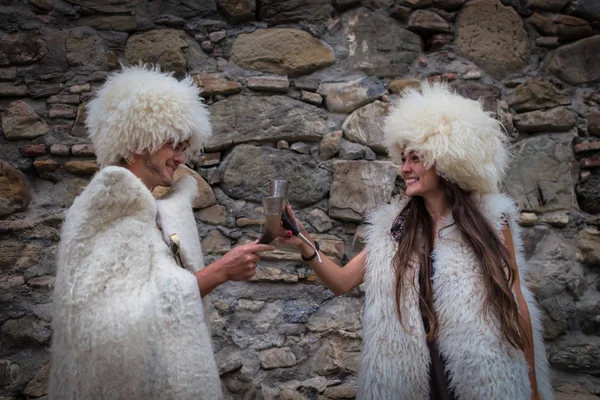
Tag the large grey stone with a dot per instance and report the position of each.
(330, 145)
(158, 46)
(564, 27)
(589, 246)
(228, 360)
(38, 386)
(355, 151)
(360, 186)
(586, 8)
(340, 313)
(594, 124)
(345, 97)
(242, 119)
(268, 83)
(591, 321)
(286, 11)
(554, 321)
(85, 48)
(9, 372)
(543, 24)
(17, 256)
(319, 220)
(365, 126)
(558, 119)
(20, 121)
(213, 85)
(493, 36)
(569, 391)
(552, 262)
(540, 178)
(21, 48)
(427, 22)
(238, 10)
(281, 51)
(379, 45)
(576, 63)
(535, 95)
(249, 170)
(571, 28)
(341, 392)
(488, 95)
(15, 195)
(277, 358)
(576, 357)
(26, 331)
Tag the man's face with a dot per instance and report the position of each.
(158, 168)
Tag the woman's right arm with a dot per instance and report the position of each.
(338, 279)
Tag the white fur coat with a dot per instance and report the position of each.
(128, 321)
(481, 364)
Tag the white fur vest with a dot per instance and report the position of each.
(128, 321)
(480, 362)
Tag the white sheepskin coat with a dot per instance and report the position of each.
(481, 364)
(128, 321)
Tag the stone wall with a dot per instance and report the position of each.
(298, 89)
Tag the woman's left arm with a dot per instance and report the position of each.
(524, 311)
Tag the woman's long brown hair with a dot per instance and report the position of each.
(416, 244)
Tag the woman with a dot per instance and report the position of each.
(447, 315)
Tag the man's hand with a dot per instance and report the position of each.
(239, 264)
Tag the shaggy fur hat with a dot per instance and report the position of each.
(141, 108)
(466, 145)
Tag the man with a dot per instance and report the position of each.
(129, 322)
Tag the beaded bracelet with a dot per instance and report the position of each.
(307, 259)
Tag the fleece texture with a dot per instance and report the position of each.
(481, 363)
(466, 145)
(128, 321)
(139, 109)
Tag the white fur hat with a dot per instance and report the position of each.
(466, 145)
(139, 109)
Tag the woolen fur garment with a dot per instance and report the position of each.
(128, 321)
(480, 362)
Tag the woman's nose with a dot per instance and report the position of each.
(405, 167)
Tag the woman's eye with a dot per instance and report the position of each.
(415, 159)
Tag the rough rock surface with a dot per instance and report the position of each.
(297, 90)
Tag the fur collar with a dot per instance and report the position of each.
(395, 361)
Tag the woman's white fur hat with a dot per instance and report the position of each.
(466, 145)
(139, 109)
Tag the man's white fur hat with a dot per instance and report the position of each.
(466, 145)
(139, 109)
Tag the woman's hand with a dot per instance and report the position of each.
(338, 280)
(285, 236)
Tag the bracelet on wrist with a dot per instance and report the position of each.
(307, 259)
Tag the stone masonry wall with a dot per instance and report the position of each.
(298, 89)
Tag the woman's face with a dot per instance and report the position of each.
(419, 180)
